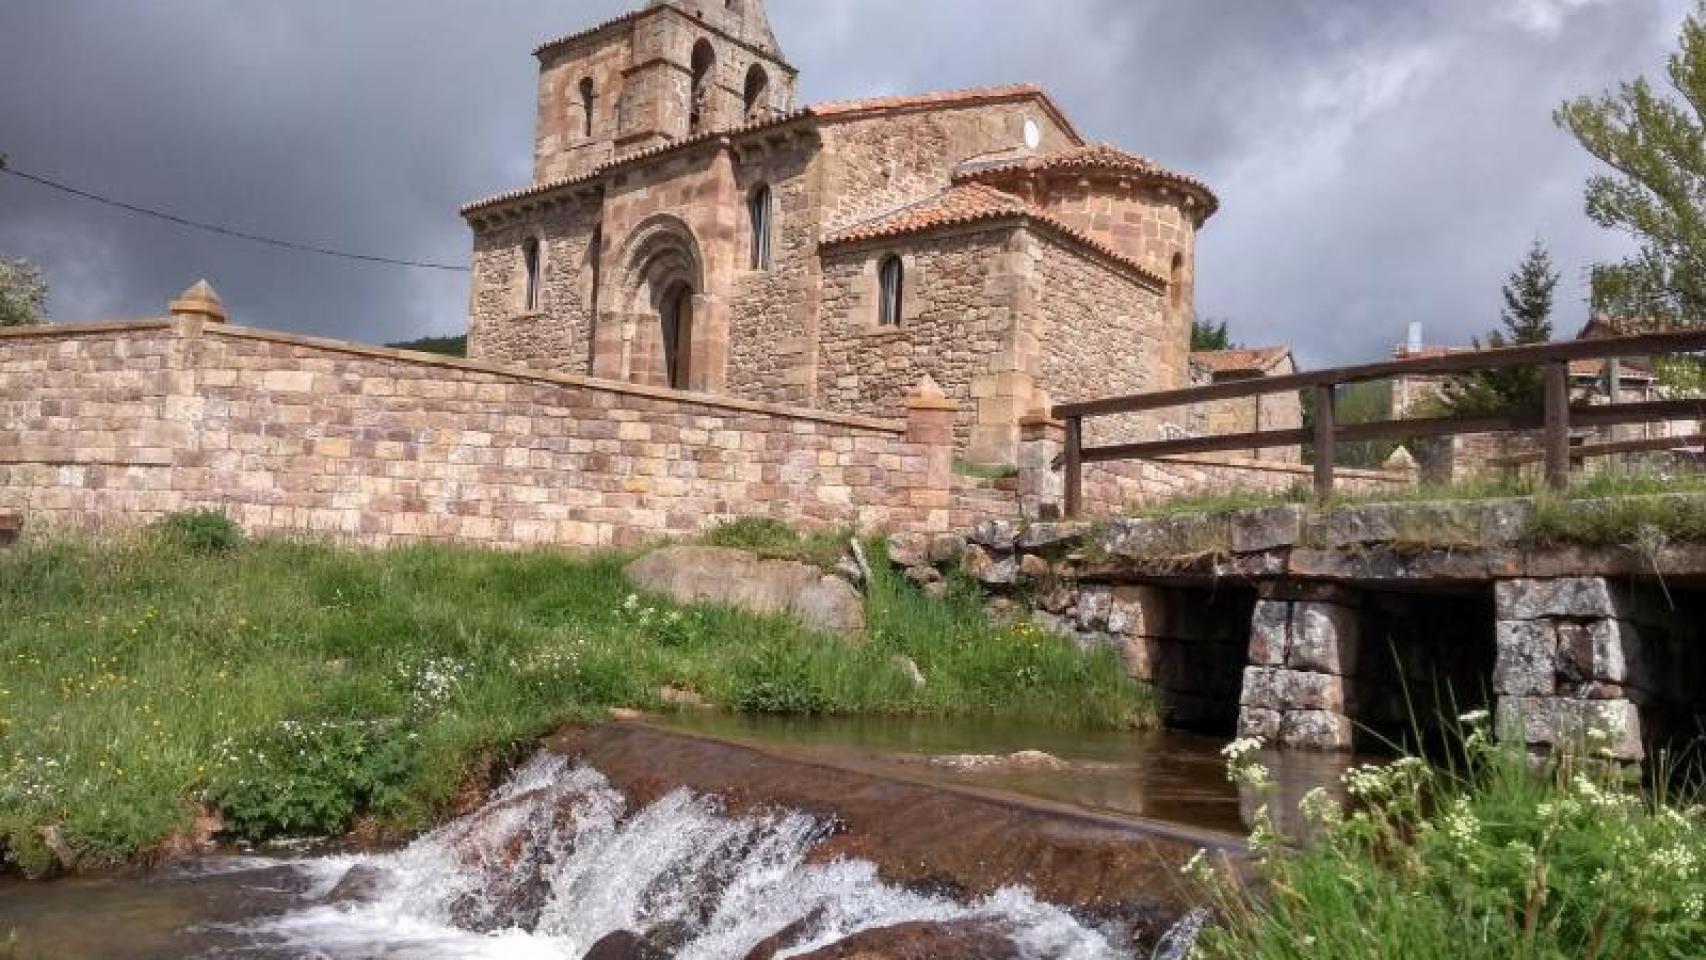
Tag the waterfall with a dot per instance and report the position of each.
(557, 860)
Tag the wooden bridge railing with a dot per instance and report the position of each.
(1556, 420)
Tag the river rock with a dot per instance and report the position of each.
(961, 940)
(359, 885)
(625, 945)
(736, 578)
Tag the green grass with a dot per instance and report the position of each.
(297, 685)
(985, 471)
(1613, 507)
(775, 540)
(1491, 861)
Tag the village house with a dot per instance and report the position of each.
(690, 226)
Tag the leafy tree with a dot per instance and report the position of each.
(23, 293)
(1527, 318)
(1209, 335)
(1655, 144)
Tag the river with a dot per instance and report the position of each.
(709, 837)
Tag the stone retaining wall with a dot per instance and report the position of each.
(120, 424)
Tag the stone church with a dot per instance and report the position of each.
(690, 226)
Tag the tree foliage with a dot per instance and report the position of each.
(1526, 318)
(1654, 141)
(1210, 335)
(23, 293)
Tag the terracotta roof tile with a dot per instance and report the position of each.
(834, 110)
(1630, 369)
(1241, 359)
(1092, 157)
(969, 203)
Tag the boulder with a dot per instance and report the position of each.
(735, 578)
(946, 548)
(909, 667)
(359, 885)
(997, 535)
(909, 550)
(961, 940)
(987, 570)
(1046, 537)
(625, 945)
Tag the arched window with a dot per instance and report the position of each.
(757, 92)
(758, 213)
(1176, 282)
(588, 100)
(530, 265)
(891, 292)
(677, 334)
(698, 110)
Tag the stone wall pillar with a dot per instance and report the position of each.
(1569, 668)
(1303, 652)
(930, 424)
(1042, 488)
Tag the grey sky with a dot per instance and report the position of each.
(1379, 161)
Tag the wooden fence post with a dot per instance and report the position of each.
(1557, 435)
(1074, 467)
(1326, 425)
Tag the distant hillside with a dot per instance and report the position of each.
(447, 346)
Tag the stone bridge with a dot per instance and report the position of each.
(1342, 629)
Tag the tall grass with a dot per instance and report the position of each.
(1495, 859)
(296, 685)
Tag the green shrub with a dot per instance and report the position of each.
(1496, 860)
(781, 679)
(311, 778)
(203, 532)
(22, 848)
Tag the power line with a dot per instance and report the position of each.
(222, 231)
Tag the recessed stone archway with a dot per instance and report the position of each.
(661, 327)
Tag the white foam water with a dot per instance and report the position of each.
(556, 861)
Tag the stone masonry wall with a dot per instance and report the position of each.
(1102, 334)
(557, 336)
(883, 162)
(774, 312)
(957, 317)
(121, 424)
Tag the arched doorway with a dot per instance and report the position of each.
(676, 315)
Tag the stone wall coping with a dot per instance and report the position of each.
(55, 331)
(873, 424)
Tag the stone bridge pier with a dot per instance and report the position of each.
(1580, 662)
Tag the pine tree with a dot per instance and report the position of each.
(23, 293)
(1656, 190)
(1526, 318)
(1209, 335)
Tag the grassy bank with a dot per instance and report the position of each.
(295, 685)
(1492, 860)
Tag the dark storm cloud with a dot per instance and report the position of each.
(1379, 162)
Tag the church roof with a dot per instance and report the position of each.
(833, 110)
(1095, 157)
(1241, 359)
(972, 203)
